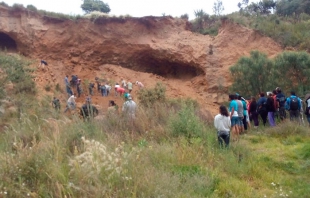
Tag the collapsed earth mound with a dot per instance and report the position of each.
(161, 48)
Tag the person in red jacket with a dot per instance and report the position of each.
(120, 90)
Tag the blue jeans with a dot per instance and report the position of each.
(271, 119)
(234, 121)
(103, 92)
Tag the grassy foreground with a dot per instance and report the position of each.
(169, 151)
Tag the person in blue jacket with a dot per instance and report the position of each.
(293, 105)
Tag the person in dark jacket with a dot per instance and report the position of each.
(261, 107)
(270, 109)
(253, 111)
(88, 111)
(281, 103)
(293, 105)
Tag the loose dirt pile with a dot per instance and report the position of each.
(148, 49)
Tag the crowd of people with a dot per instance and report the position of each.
(272, 106)
(124, 90)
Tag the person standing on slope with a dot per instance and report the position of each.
(281, 103)
(253, 112)
(222, 124)
(270, 106)
(71, 104)
(129, 108)
(293, 105)
(233, 109)
(307, 111)
(261, 107)
(129, 86)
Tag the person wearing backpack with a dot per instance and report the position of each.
(293, 105)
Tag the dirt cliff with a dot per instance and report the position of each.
(148, 49)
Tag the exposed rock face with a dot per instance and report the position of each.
(160, 45)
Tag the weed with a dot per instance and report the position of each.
(48, 87)
(148, 97)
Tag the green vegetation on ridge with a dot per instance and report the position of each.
(257, 73)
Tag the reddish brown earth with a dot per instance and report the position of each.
(148, 49)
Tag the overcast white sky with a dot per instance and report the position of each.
(136, 8)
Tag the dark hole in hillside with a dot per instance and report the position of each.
(166, 68)
(6, 42)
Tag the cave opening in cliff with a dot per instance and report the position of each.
(167, 68)
(7, 43)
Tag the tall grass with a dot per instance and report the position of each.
(167, 151)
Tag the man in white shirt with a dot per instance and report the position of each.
(71, 103)
(129, 108)
(108, 88)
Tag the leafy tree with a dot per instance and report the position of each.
(32, 7)
(184, 16)
(243, 4)
(95, 5)
(251, 75)
(293, 7)
(262, 7)
(218, 7)
(292, 71)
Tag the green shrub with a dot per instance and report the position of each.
(186, 123)
(184, 16)
(17, 7)
(4, 4)
(32, 8)
(149, 96)
(48, 87)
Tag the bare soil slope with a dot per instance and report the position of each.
(148, 49)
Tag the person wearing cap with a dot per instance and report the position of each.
(126, 94)
(129, 108)
(70, 103)
(281, 103)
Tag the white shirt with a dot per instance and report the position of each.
(140, 84)
(71, 99)
(222, 123)
(130, 108)
(308, 102)
(108, 87)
